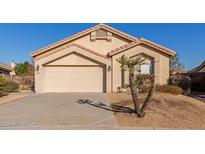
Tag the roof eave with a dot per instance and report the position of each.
(8, 68)
(159, 47)
(70, 45)
(80, 34)
(166, 52)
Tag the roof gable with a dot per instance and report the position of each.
(142, 41)
(59, 49)
(83, 33)
(69, 49)
(73, 58)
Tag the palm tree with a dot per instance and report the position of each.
(131, 65)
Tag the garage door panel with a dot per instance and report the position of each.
(73, 79)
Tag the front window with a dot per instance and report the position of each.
(146, 69)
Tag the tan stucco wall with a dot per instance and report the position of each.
(102, 46)
(85, 58)
(164, 69)
(73, 59)
(39, 76)
(161, 65)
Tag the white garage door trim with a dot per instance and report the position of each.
(74, 79)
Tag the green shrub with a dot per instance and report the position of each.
(3, 83)
(143, 82)
(181, 81)
(24, 87)
(11, 86)
(144, 88)
(169, 89)
(7, 86)
(142, 79)
(185, 84)
(1, 91)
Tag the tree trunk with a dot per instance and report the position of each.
(146, 102)
(134, 92)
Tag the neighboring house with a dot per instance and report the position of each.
(7, 70)
(197, 76)
(198, 69)
(86, 62)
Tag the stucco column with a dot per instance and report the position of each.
(108, 79)
(37, 80)
(157, 70)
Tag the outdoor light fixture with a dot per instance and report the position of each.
(109, 68)
(37, 68)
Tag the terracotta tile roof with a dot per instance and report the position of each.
(6, 67)
(198, 68)
(66, 46)
(142, 41)
(122, 48)
(71, 38)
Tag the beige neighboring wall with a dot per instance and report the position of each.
(161, 65)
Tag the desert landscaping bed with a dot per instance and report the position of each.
(166, 111)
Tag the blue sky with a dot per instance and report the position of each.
(18, 40)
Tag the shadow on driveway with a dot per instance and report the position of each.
(101, 105)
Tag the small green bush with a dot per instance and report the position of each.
(185, 84)
(144, 88)
(142, 79)
(11, 86)
(1, 91)
(181, 81)
(24, 87)
(3, 81)
(169, 89)
(143, 82)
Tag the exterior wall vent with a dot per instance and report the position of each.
(101, 34)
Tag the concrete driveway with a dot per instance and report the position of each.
(58, 111)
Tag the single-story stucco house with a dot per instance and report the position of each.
(6, 70)
(86, 62)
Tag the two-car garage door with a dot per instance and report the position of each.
(74, 79)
